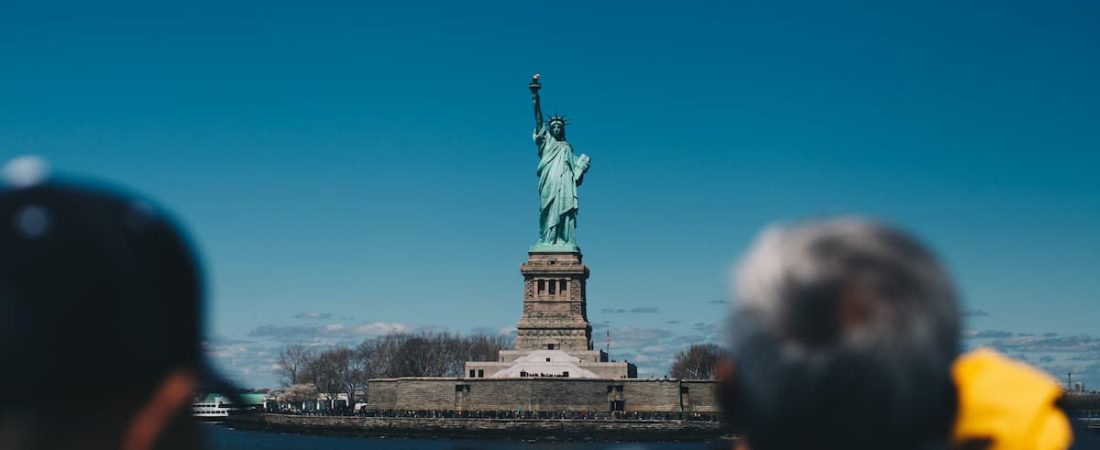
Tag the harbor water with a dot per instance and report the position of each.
(221, 437)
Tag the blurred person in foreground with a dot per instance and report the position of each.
(845, 335)
(100, 318)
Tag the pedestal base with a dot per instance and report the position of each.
(554, 315)
(555, 248)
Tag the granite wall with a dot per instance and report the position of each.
(542, 394)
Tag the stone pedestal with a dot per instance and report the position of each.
(555, 315)
(554, 338)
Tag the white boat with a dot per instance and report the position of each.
(211, 407)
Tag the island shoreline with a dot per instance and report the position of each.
(488, 429)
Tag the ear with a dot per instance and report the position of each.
(175, 392)
(726, 372)
(723, 369)
(727, 392)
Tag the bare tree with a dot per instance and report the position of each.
(382, 353)
(480, 347)
(419, 356)
(345, 370)
(427, 354)
(292, 361)
(442, 354)
(697, 362)
(348, 371)
(326, 371)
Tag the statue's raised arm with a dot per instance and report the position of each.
(535, 86)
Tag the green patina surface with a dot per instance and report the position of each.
(560, 172)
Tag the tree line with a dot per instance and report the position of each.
(307, 371)
(347, 368)
(697, 362)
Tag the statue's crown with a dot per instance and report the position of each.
(558, 118)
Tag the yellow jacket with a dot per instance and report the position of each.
(1007, 403)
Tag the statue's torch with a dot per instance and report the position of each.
(535, 85)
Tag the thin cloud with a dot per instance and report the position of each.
(687, 340)
(328, 333)
(639, 337)
(1092, 356)
(284, 332)
(247, 363)
(219, 339)
(975, 313)
(1055, 353)
(638, 310)
(313, 315)
(989, 334)
(1080, 343)
(381, 328)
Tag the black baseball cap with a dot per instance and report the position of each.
(101, 295)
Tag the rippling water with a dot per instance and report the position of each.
(224, 438)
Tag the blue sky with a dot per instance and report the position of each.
(349, 168)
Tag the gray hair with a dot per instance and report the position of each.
(858, 322)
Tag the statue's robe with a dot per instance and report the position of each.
(560, 171)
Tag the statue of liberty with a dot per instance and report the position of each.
(560, 171)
